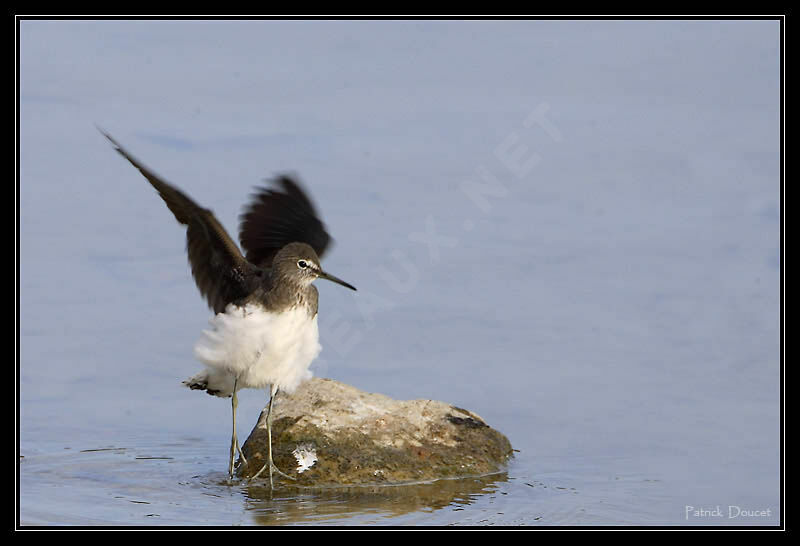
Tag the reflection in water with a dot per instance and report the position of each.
(296, 505)
(180, 483)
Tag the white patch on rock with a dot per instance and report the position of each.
(306, 456)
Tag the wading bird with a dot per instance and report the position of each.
(264, 333)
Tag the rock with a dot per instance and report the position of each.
(329, 433)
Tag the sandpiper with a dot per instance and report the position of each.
(264, 332)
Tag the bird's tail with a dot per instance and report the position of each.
(215, 383)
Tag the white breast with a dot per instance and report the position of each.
(261, 348)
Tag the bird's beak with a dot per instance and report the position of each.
(337, 280)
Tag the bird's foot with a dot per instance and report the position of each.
(242, 460)
(272, 470)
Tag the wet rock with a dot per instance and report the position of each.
(329, 433)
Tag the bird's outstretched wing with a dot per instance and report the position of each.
(278, 216)
(222, 274)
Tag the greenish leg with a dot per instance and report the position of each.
(269, 464)
(234, 441)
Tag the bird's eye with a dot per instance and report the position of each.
(302, 264)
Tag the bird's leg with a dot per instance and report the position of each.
(234, 441)
(241, 455)
(269, 464)
(235, 404)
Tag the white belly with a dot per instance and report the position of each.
(260, 348)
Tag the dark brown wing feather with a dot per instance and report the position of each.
(221, 272)
(276, 217)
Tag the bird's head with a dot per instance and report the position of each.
(298, 263)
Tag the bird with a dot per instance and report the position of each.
(264, 331)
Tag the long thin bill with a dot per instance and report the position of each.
(337, 280)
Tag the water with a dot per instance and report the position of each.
(570, 228)
(180, 482)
